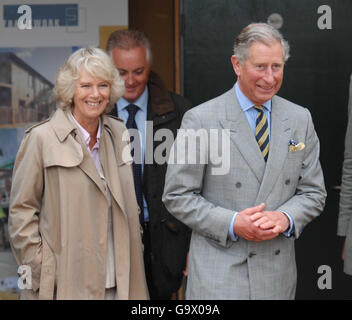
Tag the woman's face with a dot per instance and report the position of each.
(90, 98)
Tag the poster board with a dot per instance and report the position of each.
(31, 55)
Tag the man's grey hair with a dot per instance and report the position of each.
(129, 39)
(258, 32)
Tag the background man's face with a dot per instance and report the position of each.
(134, 70)
(260, 77)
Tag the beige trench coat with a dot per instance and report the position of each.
(58, 219)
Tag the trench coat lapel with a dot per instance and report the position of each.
(119, 217)
(110, 165)
(88, 167)
(241, 135)
(111, 158)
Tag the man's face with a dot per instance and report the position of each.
(134, 70)
(260, 77)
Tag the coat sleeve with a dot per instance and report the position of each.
(25, 204)
(345, 212)
(183, 186)
(309, 199)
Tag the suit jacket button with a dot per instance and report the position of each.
(238, 185)
(277, 252)
(251, 254)
(287, 182)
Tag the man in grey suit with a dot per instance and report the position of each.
(245, 217)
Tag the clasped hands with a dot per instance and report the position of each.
(255, 224)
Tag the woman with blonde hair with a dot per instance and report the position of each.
(73, 213)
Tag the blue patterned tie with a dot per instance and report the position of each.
(137, 167)
(262, 132)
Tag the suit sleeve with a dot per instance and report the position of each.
(25, 204)
(345, 212)
(309, 199)
(183, 186)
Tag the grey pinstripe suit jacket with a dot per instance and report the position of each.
(290, 181)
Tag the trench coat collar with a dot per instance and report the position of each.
(61, 124)
(63, 127)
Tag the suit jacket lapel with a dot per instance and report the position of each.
(278, 149)
(241, 135)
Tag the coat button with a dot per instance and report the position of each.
(238, 185)
(251, 254)
(287, 182)
(277, 252)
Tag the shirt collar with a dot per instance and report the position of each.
(141, 102)
(85, 134)
(245, 103)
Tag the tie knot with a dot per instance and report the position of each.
(259, 108)
(132, 110)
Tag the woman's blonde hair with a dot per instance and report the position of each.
(99, 65)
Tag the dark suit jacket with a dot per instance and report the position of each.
(169, 237)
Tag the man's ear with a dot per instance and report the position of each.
(236, 65)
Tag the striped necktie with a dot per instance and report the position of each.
(262, 132)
